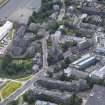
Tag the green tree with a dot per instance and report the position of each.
(74, 100)
(5, 61)
(14, 102)
(29, 97)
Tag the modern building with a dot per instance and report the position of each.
(5, 29)
(98, 74)
(97, 96)
(85, 61)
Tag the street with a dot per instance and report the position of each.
(26, 87)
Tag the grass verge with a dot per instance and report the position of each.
(9, 88)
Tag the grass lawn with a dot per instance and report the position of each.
(9, 88)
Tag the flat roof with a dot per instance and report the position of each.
(5, 28)
(87, 60)
(99, 73)
(81, 59)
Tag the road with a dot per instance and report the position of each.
(45, 53)
(13, 5)
(26, 87)
(61, 15)
(62, 12)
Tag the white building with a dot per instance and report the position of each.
(5, 29)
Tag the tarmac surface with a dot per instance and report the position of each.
(13, 5)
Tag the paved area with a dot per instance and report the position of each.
(21, 15)
(27, 6)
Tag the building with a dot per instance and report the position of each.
(51, 95)
(76, 73)
(84, 44)
(74, 86)
(85, 61)
(100, 50)
(100, 41)
(44, 103)
(97, 96)
(98, 74)
(5, 29)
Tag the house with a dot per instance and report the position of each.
(97, 96)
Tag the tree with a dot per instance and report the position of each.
(14, 102)
(29, 97)
(92, 81)
(53, 27)
(74, 100)
(67, 2)
(43, 14)
(5, 61)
